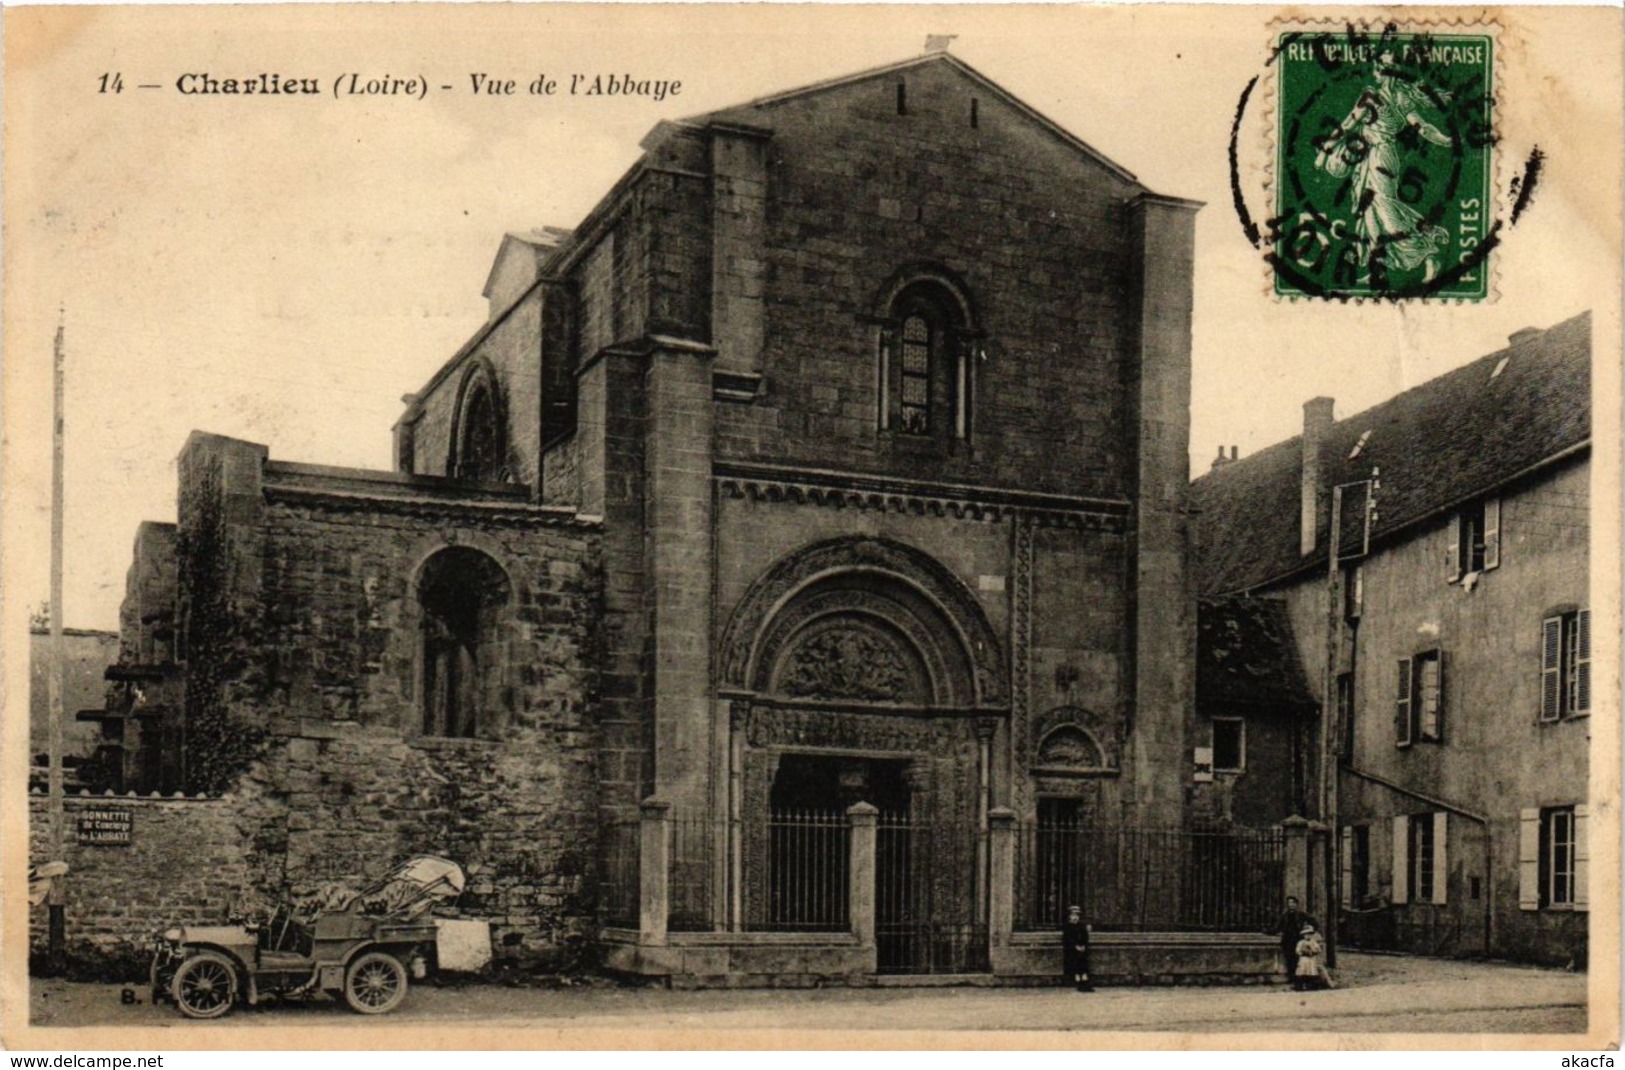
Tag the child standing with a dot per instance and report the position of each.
(1311, 951)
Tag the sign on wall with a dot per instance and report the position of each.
(1204, 765)
(106, 827)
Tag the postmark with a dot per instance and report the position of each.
(1383, 160)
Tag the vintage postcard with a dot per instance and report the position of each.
(812, 526)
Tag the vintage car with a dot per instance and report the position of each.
(363, 946)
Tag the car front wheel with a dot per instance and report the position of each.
(205, 985)
(375, 983)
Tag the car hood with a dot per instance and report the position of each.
(216, 934)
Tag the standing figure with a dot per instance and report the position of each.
(1075, 949)
(1374, 147)
(1293, 919)
(1307, 975)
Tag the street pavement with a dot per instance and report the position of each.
(1377, 994)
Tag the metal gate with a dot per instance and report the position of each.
(925, 898)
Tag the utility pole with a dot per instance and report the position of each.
(54, 787)
(1331, 724)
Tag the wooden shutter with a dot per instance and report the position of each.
(1551, 665)
(1402, 705)
(1441, 862)
(1582, 858)
(1582, 662)
(1528, 859)
(1492, 533)
(1402, 860)
(1346, 867)
(1452, 553)
(1429, 696)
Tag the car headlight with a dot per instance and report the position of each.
(173, 936)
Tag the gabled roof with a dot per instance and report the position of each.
(750, 112)
(1245, 656)
(1437, 445)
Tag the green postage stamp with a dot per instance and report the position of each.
(1384, 168)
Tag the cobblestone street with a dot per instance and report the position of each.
(1379, 994)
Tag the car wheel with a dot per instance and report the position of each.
(375, 983)
(205, 985)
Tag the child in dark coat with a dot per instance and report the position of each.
(1075, 949)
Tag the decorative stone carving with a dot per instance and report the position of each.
(908, 569)
(1069, 747)
(850, 662)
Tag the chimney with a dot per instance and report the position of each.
(1317, 420)
(1221, 460)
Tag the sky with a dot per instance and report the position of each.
(284, 269)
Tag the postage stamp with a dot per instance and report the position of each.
(1384, 173)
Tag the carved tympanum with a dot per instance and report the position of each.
(1069, 747)
(850, 662)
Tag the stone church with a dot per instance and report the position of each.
(818, 502)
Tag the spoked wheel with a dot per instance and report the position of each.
(375, 983)
(205, 985)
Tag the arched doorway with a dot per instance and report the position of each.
(866, 663)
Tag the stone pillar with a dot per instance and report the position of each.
(738, 268)
(677, 462)
(863, 819)
(1319, 901)
(610, 435)
(1163, 598)
(1296, 877)
(1001, 915)
(654, 868)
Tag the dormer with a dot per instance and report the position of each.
(518, 265)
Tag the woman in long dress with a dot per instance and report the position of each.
(1370, 148)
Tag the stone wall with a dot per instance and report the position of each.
(187, 863)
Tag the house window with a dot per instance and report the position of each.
(1419, 701)
(1565, 665)
(1356, 865)
(1353, 593)
(1229, 744)
(1553, 858)
(925, 378)
(461, 597)
(1420, 860)
(1475, 540)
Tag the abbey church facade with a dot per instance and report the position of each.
(825, 484)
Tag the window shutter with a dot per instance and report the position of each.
(1551, 657)
(1582, 858)
(1346, 867)
(1441, 862)
(1492, 533)
(1452, 554)
(1528, 859)
(1402, 705)
(1402, 861)
(1582, 662)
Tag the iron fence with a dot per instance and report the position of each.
(692, 873)
(1132, 878)
(925, 908)
(808, 866)
(619, 875)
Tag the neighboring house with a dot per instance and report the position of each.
(1462, 685)
(838, 456)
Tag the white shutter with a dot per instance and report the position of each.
(1492, 533)
(1346, 867)
(1452, 553)
(1528, 859)
(1582, 662)
(1551, 661)
(1441, 862)
(1402, 705)
(1582, 858)
(1402, 861)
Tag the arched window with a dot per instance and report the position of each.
(480, 450)
(461, 594)
(925, 374)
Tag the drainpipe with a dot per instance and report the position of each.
(1482, 819)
